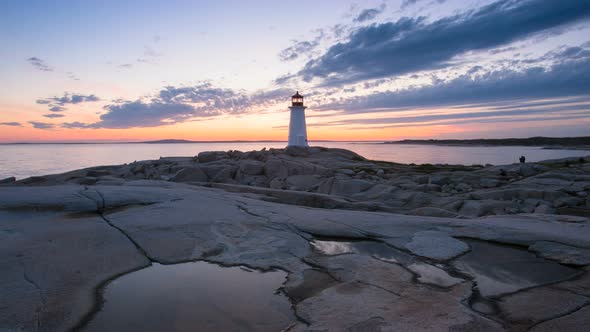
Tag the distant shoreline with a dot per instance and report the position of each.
(557, 143)
(576, 143)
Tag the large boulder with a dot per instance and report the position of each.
(349, 187)
(190, 174)
(303, 182)
(274, 168)
(471, 208)
(220, 172)
(252, 167)
(209, 156)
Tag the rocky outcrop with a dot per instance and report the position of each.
(550, 187)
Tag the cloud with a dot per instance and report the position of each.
(12, 124)
(180, 104)
(513, 115)
(408, 3)
(56, 104)
(41, 125)
(39, 64)
(52, 116)
(68, 98)
(412, 44)
(369, 14)
(566, 78)
(57, 109)
(76, 124)
(302, 48)
(299, 48)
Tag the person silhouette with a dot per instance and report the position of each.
(522, 159)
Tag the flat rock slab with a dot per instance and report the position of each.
(562, 253)
(51, 263)
(436, 245)
(59, 244)
(540, 304)
(577, 321)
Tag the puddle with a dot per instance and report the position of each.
(377, 250)
(196, 296)
(500, 269)
(332, 248)
(430, 274)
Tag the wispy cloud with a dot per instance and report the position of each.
(11, 124)
(302, 48)
(39, 64)
(53, 116)
(69, 98)
(407, 3)
(41, 125)
(413, 44)
(369, 13)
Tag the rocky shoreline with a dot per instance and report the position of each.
(367, 245)
(337, 178)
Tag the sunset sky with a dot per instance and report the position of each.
(113, 70)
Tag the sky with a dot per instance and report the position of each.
(134, 70)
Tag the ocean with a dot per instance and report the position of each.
(24, 160)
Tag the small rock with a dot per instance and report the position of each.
(345, 171)
(489, 183)
(567, 201)
(276, 184)
(582, 194)
(463, 187)
(545, 209)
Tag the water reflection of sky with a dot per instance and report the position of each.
(501, 269)
(194, 296)
(377, 250)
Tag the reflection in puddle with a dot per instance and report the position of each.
(332, 247)
(430, 274)
(195, 296)
(501, 269)
(377, 250)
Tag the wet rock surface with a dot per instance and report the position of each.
(62, 243)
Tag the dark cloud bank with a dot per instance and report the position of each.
(412, 44)
(569, 77)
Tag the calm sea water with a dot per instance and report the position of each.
(24, 160)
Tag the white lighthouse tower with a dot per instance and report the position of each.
(297, 127)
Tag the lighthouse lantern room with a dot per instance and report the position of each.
(297, 127)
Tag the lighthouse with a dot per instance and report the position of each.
(297, 128)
